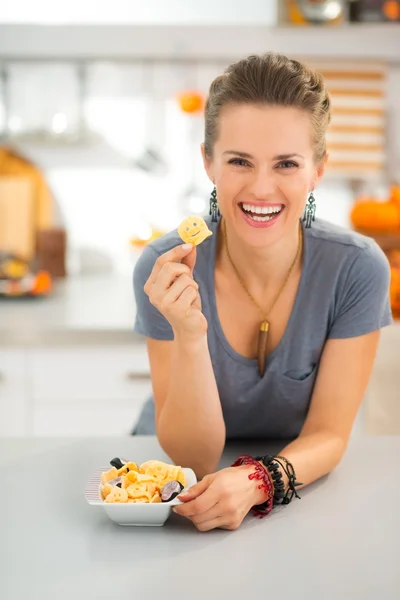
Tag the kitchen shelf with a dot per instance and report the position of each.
(378, 41)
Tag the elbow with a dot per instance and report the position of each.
(204, 469)
(338, 445)
(202, 458)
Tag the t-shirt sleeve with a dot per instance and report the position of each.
(149, 321)
(364, 304)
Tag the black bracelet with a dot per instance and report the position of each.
(276, 475)
(274, 464)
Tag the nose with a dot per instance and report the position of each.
(263, 184)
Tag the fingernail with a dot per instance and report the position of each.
(187, 246)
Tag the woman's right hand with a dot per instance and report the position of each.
(173, 291)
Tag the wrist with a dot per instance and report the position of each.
(260, 495)
(261, 489)
(189, 342)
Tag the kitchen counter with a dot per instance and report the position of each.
(341, 540)
(85, 309)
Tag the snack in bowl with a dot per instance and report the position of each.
(152, 482)
(138, 495)
(193, 230)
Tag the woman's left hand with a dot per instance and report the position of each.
(222, 499)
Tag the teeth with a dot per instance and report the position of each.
(257, 218)
(262, 210)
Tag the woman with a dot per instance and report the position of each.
(321, 291)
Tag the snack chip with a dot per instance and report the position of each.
(139, 484)
(194, 230)
(117, 495)
(109, 475)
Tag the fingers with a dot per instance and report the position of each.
(169, 272)
(187, 300)
(210, 515)
(195, 490)
(183, 283)
(172, 256)
(219, 523)
(211, 524)
(190, 259)
(199, 505)
(216, 518)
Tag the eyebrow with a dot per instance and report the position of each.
(277, 157)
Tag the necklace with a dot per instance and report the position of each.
(264, 325)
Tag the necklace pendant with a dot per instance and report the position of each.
(262, 346)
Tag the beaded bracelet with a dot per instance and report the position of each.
(277, 477)
(273, 463)
(261, 473)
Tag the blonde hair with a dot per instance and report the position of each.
(274, 80)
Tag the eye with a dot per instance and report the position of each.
(194, 224)
(239, 162)
(287, 164)
(187, 228)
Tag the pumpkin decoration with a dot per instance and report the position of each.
(191, 101)
(395, 290)
(394, 259)
(370, 215)
(395, 195)
(42, 284)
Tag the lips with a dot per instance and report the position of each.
(258, 215)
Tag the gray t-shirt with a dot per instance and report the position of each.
(343, 292)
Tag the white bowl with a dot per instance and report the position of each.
(138, 513)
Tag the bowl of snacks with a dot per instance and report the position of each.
(135, 495)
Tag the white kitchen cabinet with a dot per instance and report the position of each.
(88, 418)
(14, 412)
(89, 373)
(88, 390)
(73, 390)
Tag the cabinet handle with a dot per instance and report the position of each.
(132, 376)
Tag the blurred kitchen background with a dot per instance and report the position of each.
(101, 119)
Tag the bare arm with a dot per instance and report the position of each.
(224, 498)
(189, 421)
(344, 372)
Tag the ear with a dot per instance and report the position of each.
(207, 162)
(320, 170)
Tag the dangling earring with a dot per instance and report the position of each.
(309, 213)
(214, 210)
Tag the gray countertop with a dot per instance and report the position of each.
(341, 540)
(91, 308)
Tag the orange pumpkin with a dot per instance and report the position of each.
(395, 289)
(191, 101)
(394, 259)
(376, 216)
(395, 195)
(42, 284)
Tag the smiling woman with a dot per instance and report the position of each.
(269, 328)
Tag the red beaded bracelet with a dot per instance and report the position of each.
(261, 472)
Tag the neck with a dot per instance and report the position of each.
(260, 268)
